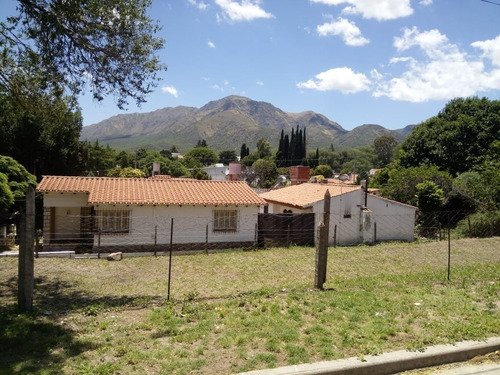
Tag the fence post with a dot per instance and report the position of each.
(335, 236)
(206, 240)
(256, 237)
(170, 257)
(374, 233)
(99, 245)
(322, 245)
(156, 237)
(288, 236)
(449, 254)
(26, 273)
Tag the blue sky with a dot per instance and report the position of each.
(387, 62)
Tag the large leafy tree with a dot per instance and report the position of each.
(402, 183)
(228, 156)
(107, 46)
(462, 136)
(266, 172)
(15, 181)
(40, 131)
(384, 148)
(200, 156)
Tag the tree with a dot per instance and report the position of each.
(40, 131)
(402, 183)
(201, 143)
(18, 180)
(199, 174)
(384, 148)
(167, 167)
(200, 156)
(263, 148)
(480, 190)
(429, 200)
(244, 151)
(109, 47)
(6, 196)
(226, 157)
(280, 155)
(126, 172)
(466, 130)
(323, 170)
(266, 172)
(429, 196)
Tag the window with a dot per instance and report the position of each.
(225, 220)
(113, 221)
(347, 214)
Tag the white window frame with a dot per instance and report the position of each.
(225, 220)
(113, 221)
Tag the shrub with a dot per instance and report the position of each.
(484, 224)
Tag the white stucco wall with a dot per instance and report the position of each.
(190, 222)
(189, 226)
(394, 221)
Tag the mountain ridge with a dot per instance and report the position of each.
(226, 124)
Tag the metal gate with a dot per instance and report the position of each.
(286, 229)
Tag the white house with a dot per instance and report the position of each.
(355, 217)
(218, 172)
(136, 213)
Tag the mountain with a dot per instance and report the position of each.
(226, 124)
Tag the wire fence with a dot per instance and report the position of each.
(230, 254)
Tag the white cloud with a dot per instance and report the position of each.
(338, 79)
(246, 10)
(260, 83)
(198, 4)
(380, 10)
(170, 90)
(491, 49)
(217, 87)
(345, 28)
(211, 44)
(425, 2)
(444, 73)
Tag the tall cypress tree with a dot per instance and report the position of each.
(286, 151)
(280, 159)
(293, 148)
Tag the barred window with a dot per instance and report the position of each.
(113, 221)
(225, 220)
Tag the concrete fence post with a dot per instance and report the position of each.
(26, 270)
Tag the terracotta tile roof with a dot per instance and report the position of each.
(111, 190)
(304, 195)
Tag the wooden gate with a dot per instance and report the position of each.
(285, 229)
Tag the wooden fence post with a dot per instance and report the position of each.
(206, 240)
(26, 270)
(156, 239)
(322, 245)
(170, 257)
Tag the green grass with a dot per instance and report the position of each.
(240, 311)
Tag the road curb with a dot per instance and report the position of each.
(391, 363)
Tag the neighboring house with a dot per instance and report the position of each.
(351, 221)
(218, 172)
(136, 213)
